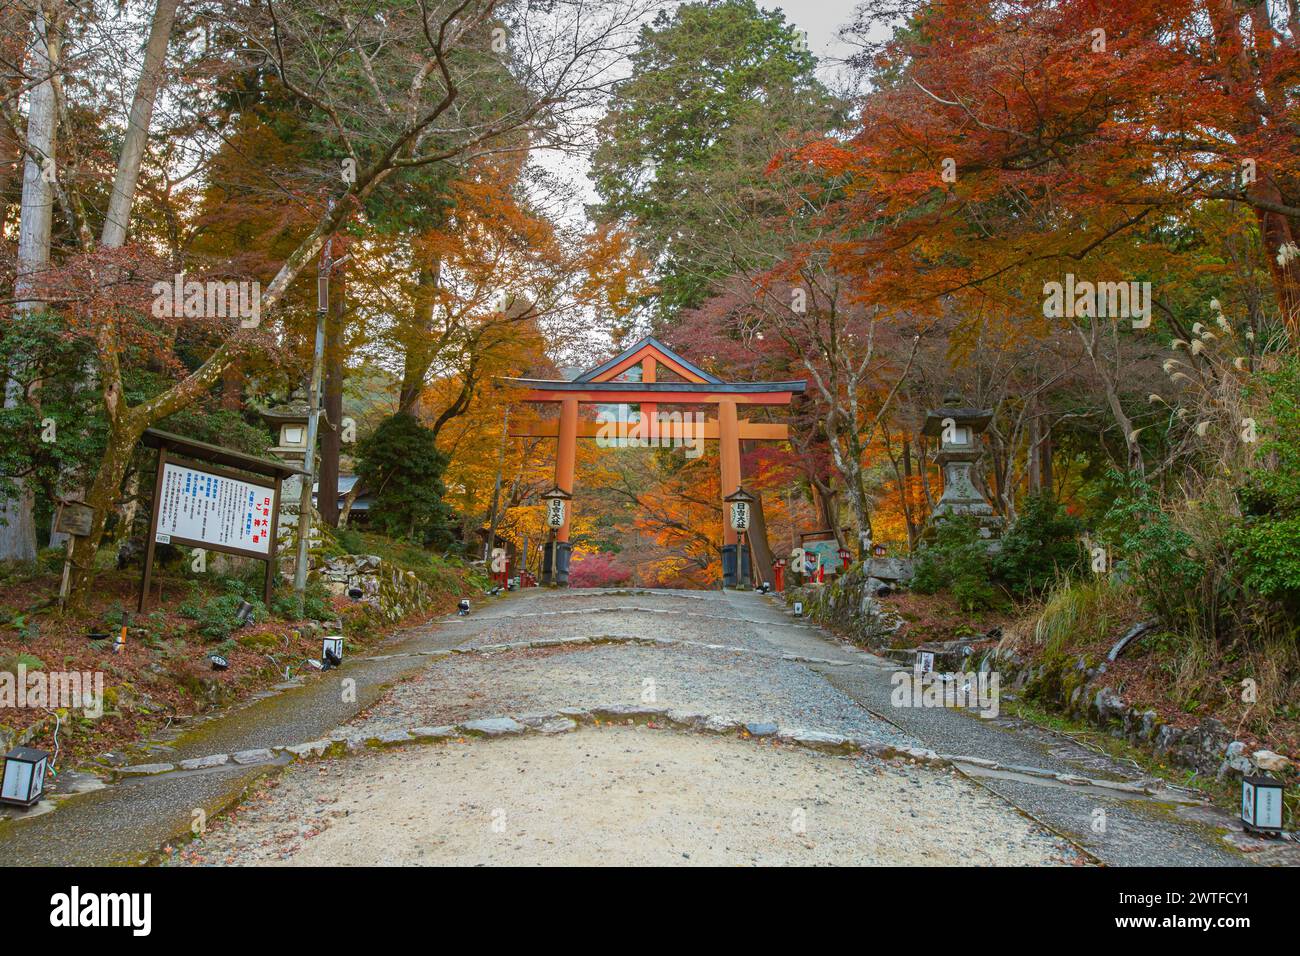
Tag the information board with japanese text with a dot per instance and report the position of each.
(214, 510)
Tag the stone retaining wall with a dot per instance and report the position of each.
(389, 590)
(1079, 690)
(847, 604)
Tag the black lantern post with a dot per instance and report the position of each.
(24, 776)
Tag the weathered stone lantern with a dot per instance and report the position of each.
(290, 424)
(958, 428)
(289, 421)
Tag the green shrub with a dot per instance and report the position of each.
(1041, 546)
(1159, 558)
(350, 540)
(20, 621)
(401, 461)
(316, 605)
(1267, 551)
(216, 617)
(1266, 545)
(10, 663)
(957, 558)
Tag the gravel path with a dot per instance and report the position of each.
(735, 685)
(625, 794)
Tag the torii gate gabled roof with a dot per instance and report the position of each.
(638, 353)
(597, 384)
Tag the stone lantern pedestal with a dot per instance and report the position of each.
(958, 428)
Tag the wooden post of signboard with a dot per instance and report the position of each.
(76, 519)
(153, 529)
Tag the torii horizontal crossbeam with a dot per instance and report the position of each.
(663, 393)
(752, 431)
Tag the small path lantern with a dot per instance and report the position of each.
(331, 650)
(24, 776)
(1261, 804)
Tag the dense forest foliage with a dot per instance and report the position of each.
(1078, 216)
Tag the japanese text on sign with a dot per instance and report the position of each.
(213, 509)
(555, 513)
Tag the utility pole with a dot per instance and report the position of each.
(331, 427)
(313, 418)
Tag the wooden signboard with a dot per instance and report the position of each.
(821, 550)
(74, 519)
(199, 502)
(205, 507)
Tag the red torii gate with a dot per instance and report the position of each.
(695, 386)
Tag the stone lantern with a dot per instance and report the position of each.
(290, 424)
(289, 421)
(958, 428)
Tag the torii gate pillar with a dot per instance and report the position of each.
(555, 565)
(729, 464)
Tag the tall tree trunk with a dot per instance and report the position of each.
(124, 431)
(331, 441)
(17, 526)
(232, 389)
(494, 510)
(120, 202)
(909, 511)
(118, 215)
(1049, 480)
(349, 500)
(760, 549)
(420, 350)
(14, 23)
(1034, 476)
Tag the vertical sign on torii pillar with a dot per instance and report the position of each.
(555, 556)
(666, 379)
(735, 558)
